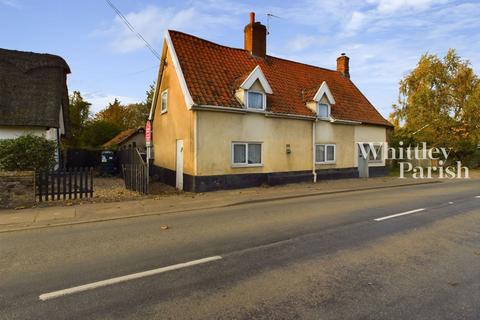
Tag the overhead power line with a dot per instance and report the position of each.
(129, 25)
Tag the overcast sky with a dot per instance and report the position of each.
(384, 38)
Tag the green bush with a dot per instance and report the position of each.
(27, 152)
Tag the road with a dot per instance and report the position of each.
(337, 256)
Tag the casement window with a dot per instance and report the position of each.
(325, 153)
(246, 154)
(164, 101)
(323, 110)
(256, 100)
(371, 155)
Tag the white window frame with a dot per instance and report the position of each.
(380, 160)
(246, 164)
(328, 110)
(325, 151)
(162, 110)
(264, 100)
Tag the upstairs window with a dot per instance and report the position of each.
(246, 154)
(325, 153)
(164, 101)
(256, 100)
(323, 110)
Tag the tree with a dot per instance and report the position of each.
(115, 113)
(79, 114)
(98, 132)
(27, 152)
(439, 103)
(137, 113)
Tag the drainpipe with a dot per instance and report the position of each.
(314, 172)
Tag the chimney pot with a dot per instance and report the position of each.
(343, 65)
(255, 37)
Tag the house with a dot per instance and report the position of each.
(227, 118)
(128, 139)
(33, 95)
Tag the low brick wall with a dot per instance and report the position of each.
(17, 189)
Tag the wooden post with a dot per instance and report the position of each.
(91, 182)
(81, 183)
(64, 177)
(70, 184)
(75, 183)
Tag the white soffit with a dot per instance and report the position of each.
(324, 90)
(255, 75)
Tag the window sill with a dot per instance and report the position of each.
(163, 111)
(247, 165)
(255, 110)
(326, 162)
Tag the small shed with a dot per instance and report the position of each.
(128, 139)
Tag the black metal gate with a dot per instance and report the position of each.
(134, 170)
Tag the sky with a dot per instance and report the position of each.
(383, 38)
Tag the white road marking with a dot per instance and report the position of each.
(477, 197)
(108, 282)
(451, 202)
(399, 214)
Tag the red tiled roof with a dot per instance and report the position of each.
(213, 72)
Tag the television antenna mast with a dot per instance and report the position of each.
(269, 16)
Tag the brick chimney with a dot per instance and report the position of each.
(342, 65)
(255, 39)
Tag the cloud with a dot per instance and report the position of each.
(101, 100)
(356, 21)
(152, 21)
(11, 3)
(390, 6)
(302, 42)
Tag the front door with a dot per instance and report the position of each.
(363, 162)
(179, 165)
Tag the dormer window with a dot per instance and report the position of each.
(256, 100)
(252, 93)
(323, 110)
(322, 102)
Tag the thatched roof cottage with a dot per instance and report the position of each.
(33, 95)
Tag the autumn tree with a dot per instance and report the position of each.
(115, 112)
(79, 115)
(439, 103)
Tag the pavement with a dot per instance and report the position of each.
(65, 213)
(408, 252)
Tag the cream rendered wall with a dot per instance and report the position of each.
(176, 123)
(342, 136)
(217, 131)
(369, 133)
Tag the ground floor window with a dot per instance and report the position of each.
(325, 153)
(375, 156)
(246, 153)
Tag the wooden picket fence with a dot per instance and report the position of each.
(53, 185)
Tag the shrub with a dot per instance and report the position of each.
(27, 152)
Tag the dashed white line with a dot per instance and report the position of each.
(477, 197)
(450, 202)
(399, 214)
(108, 282)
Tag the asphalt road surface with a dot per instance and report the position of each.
(398, 253)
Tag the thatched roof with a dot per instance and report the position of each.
(32, 89)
